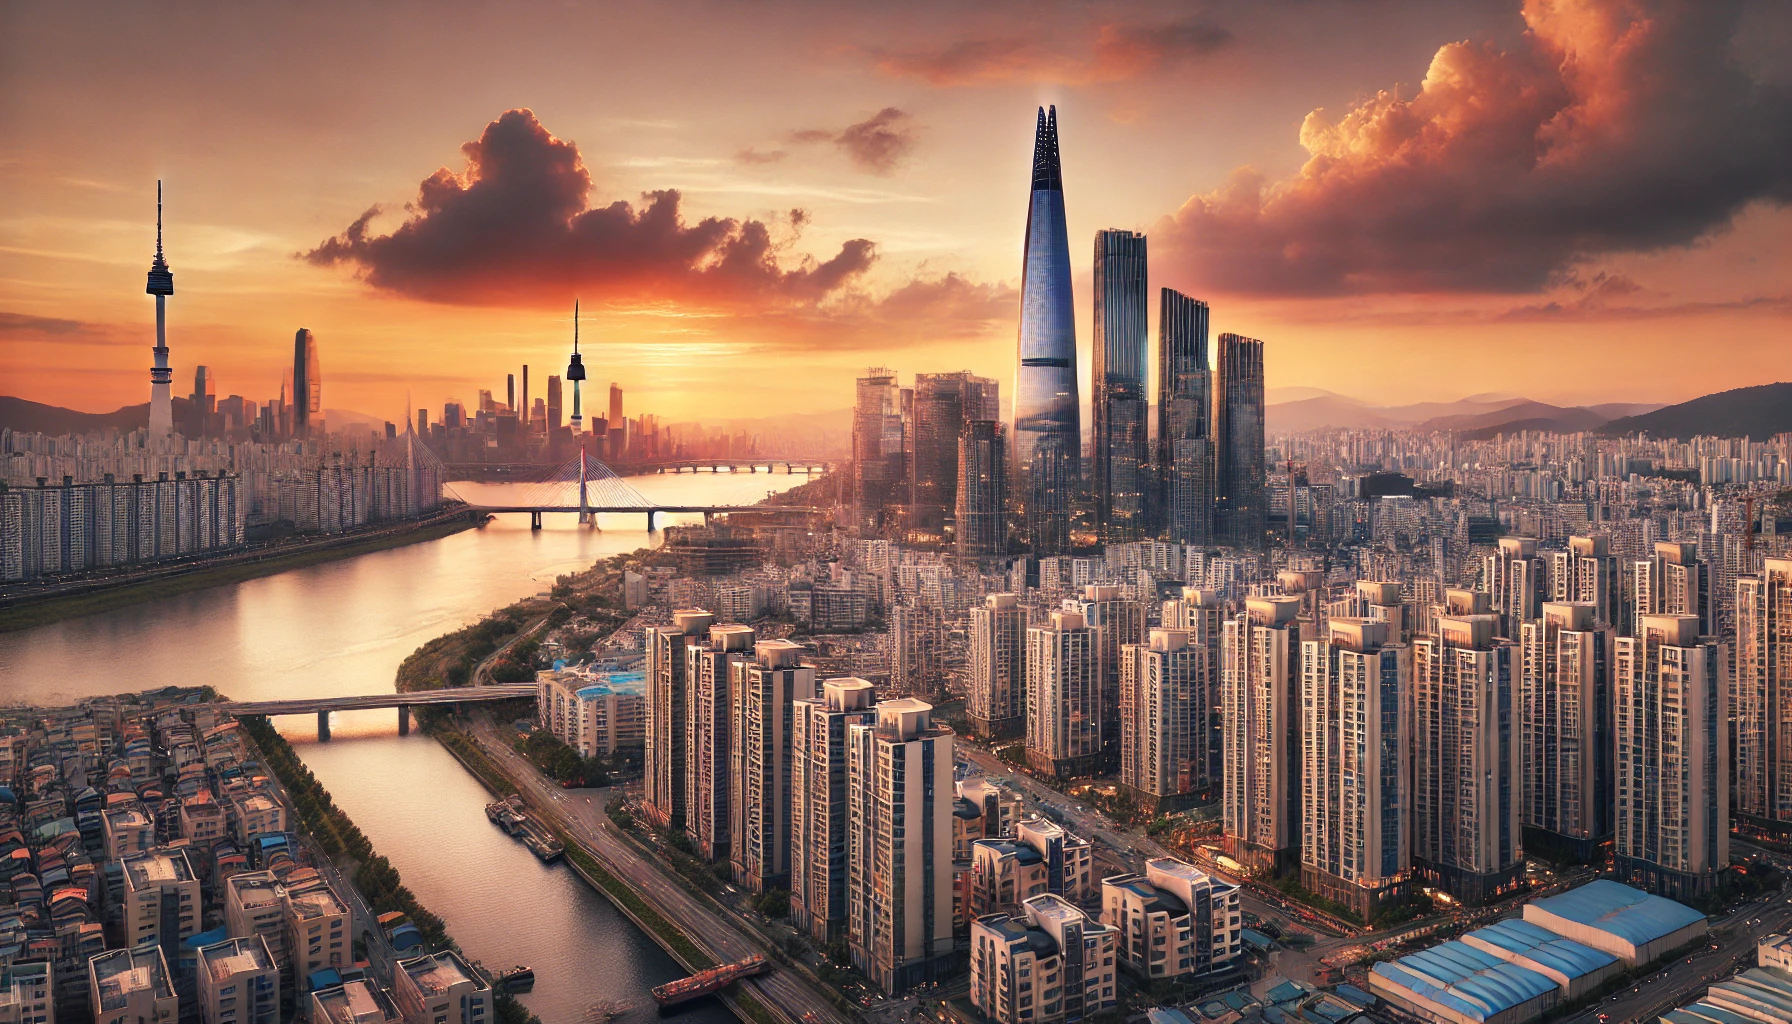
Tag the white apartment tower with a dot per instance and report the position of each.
(819, 806)
(1673, 813)
(1260, 712)
(1063, 696)
(1467, 774)
(899, 846)
(996, 701)
(1517, 580)
(765, 691)
(1673, 580)
(1163, 716)
(1356, 800)
(709, 720)
(1587, 573)
(1762, 701)
(1566, 707)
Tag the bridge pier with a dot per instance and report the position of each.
(323, 727)
(650, 523)
(535, 520)
(404, 720)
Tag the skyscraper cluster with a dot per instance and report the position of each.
(1195, 473)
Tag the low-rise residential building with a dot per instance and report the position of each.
(594, 711)
(354, 1002)
(441, 988)
(1775, 951)
(129, 831)
(317, 927)
(1173, 920)
(27, 993)
(238, 983)
(1049, 962)
(202, 821)
(1041, 858)
(132, 986)
(255, 905)
(161, 899)
(252, 814)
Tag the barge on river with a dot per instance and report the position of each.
(672, 993)
(518, 823)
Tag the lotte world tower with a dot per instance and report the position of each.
(1047, 439)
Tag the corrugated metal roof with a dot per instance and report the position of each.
(1476, 984)
(1705, 1013)
(1762, 993)
(1545, 947)
(1630, 914)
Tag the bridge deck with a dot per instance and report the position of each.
(363, 702)
(707, 509)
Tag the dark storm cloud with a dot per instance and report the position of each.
(1615, 126)
(875, 145)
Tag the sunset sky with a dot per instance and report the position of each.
(1574, 200)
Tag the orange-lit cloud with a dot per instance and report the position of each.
(514, 229)
(1617, 126)
(1118, 52)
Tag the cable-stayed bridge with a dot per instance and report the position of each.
(586, 486)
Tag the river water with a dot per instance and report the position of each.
(342, 628)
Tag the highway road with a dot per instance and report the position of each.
(580, 815)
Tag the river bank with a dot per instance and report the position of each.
(27, 611)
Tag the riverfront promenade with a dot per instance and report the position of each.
(583, 820)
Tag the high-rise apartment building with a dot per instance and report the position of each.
(819, 807)
(917, 651)
(556, 399)
(1260, 712)
(1063, 696)
(663, 785)
(711, 703)
(1040, 857)
(1046, 444)
(161, 899)
(996, 701)
(1163, 717)
(766, 690)
(1185, 452)
(1673, 791)
(1587, 572)
(1356, 799)
(1674, 580)
(1517, 580)
(981, 520)
(1467, 774)
(1763, 699)
(1241, 504)
(877, 448)
(1116, 621)
(1202, 615)
(307, 383)
(899, 846)
(1566, 701)
(1120, 405)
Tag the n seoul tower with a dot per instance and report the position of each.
(161, 285)
(575, 372)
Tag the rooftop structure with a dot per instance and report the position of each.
(353, 1002)
(121, 976)
(1459, 984)
(1627, 923)
(1758, 994)
(1575, 968)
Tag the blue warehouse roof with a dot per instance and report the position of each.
(1630, 914)
(1476, 984)
(1545, 947)
(1704, 1013)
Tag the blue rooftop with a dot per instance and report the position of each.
(1704, 1013)
(1545, 947)
(627, 684)
(1478, 985)
(1630, 914)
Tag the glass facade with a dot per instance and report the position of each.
(1047, 439)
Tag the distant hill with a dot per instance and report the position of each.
(1474, 417)
(1533, 416)
(21, 415)
(1758, 412)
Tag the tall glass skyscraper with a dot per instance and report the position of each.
(1185, 457)
(1047, 438)
(1122, 444)
(1243, 508)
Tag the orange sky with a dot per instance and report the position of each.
(1578, 200)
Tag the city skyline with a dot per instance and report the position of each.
(914, 154)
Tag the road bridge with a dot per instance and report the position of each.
(588, 487)
(404, 702)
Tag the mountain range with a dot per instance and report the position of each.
(1474, 417)
(1758, 412)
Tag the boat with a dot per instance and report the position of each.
(517, 979)
(518, 823)
(507, 815)
(703, 983)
